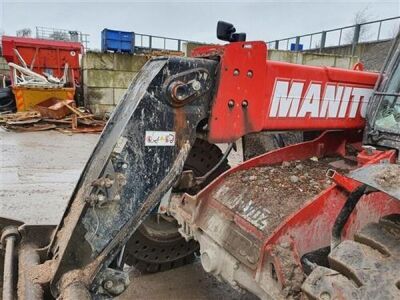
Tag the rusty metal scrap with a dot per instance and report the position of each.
(54, 108)
(25, 76)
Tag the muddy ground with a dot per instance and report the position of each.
(37, 174)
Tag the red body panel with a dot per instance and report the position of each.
(308, 228)
(255, 94)
(283, 96)
(48, 55)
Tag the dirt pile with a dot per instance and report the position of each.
(389, 177)
(276, 191)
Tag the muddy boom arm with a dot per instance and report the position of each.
(227, 92)
(138, 158)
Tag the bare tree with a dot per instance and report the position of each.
(24, 32)
(360, 17)
(394, 30)
(59, 35)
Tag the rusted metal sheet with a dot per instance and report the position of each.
(54, 108)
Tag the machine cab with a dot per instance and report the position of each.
(383, 117)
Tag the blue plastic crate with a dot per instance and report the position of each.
(117, 41)
(293, 47)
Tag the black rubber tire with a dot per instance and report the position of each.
(203, 157)
(149, 253)
(7, 100)
(6, 92)
(367, 267)
(255, 144)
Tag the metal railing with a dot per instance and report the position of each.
(62, 35)
(153, 42)
(378, 30)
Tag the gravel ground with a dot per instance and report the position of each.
(277, 190)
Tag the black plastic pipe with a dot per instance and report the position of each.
(344, 215)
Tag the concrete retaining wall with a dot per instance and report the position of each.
(304, 58)
(106, 76)
(4, 70)
(313, 59)
(372, 54)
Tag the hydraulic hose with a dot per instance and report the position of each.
(344, 214)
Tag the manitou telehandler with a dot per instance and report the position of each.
(319, 219)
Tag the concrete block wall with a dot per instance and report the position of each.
(188, 47)
(4, 69)
(371, 54)
(106, 76)
(313, 59)
(303, 58)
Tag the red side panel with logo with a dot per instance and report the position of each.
(255, 94)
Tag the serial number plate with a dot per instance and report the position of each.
(160, 138)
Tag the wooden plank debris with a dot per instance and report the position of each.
(76, 120)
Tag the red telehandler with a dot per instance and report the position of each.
(318, 219)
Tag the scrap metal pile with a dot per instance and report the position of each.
(61, 115)
(45, 102)
(23, 75)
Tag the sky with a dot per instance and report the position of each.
(191, 20)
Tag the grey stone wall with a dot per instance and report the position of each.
(372, 54)
(4, 69)
(303, 58)
(106, 76)
(313, 59)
